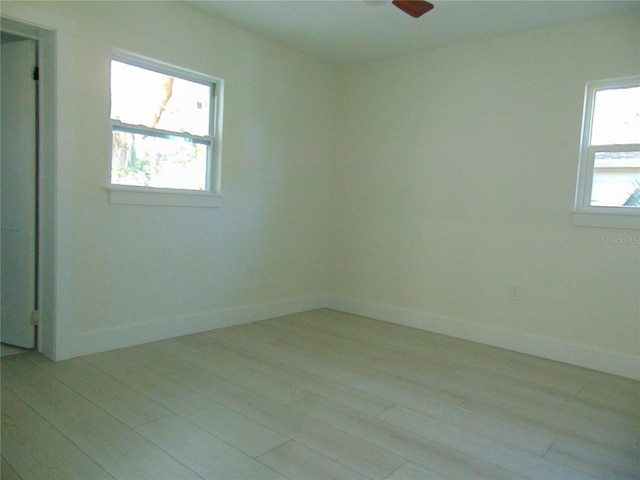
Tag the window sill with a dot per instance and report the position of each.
(123, 195)
(608, 218)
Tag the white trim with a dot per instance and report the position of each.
(606, 218)
(165, 68)
(123, 195)
(54, 34)
(160, 133)
(580, 355)
(587, 216)
(213, 140)
(140, 333)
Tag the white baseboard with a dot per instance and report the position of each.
(137, 334)
(580, 355)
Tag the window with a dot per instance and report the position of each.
(165, 133)
(609, 172)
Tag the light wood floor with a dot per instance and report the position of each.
(318, 395)
(6, 350)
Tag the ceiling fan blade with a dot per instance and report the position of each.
(415, 8)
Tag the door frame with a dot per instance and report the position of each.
(54, 36)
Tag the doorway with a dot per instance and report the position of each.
(19, 190)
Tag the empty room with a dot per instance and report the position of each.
(308, 240)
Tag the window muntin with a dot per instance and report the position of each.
(609, 175)
(163, 123)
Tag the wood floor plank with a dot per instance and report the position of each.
(125, 404)
(203, 453)
(523, 438)
(553, 380)
(323, 328)
(219, 361)
(37, 449)
(413, 341)
(516, 411)
(296, 461)
(498, 453)
(428, 452)
(382, 384)
(247, 335)
(319, 345)
(527, 376)
(462, 354)
(238, 430)
(317, 394)
(419, 369)
(569, 407)
(306, 381)
(592, 462)
(348, 450)
(332, 323)
(154, 360)
(7, 472)
(120, 451)
(144, 355)
(200, 339)
(413, 471)
(258, 341)
(623, 400)
(601, 379)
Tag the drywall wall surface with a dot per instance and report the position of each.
(144, 272)
(455, 186)
(430, 190)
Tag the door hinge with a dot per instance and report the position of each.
(35, 317)
(36, 74)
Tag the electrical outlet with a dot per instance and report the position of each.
(514, 293)
(250, 270)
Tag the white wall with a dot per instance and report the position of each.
(418, 189)
(140, 273)
(456, 181)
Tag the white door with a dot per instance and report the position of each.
(18, 198)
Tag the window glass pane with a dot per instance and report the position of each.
(616, 179)
(616, 117)
(149, 161)
(144, 97)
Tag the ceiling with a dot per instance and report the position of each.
(351, 31)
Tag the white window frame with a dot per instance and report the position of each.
(585, 214)
(137, 195)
